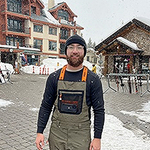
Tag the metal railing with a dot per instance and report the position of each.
(119, 79)
(23, 30)
(14, 11)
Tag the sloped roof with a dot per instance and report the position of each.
(45, 17)
(125, 43)
(56, 6)
(60, 5)
(140, 22)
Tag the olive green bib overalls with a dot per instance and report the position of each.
(70, 128)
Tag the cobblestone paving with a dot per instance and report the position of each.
(18, 120)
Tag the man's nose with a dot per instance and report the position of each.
(75, 50)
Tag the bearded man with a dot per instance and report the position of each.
(73, 90)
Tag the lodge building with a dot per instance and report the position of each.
(29, 30)
(128, 46)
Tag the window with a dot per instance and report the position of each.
(32, 60)
(63, 14)
(88, 58)
(33, 10)
(95, 60)
(13, 41)
(64, 34)
(38, 43)
(52, 31)
(52, 46)
(62, 48)
(14, 5)
(15, 25)
(38, 28)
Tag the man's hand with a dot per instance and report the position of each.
(39, 141)
(95, 144)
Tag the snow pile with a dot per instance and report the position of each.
(5, 66)
(117, 137)
(50, 65)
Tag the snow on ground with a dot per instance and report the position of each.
(4, 103)
(142, 115)
(115, 135)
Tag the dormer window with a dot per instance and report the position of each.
(63, 14)
(33, 10)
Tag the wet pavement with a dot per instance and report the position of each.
(18, 120)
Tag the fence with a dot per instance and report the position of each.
(134, 82)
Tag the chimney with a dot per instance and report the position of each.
(51, 4)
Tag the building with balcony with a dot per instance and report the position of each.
(28, 29)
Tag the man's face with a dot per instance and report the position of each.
(75, 55)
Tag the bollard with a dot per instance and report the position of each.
(40, 71)
(33, 69)
(43, 70)
(47, 71)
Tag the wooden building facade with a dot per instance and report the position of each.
(128, 48)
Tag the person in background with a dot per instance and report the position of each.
(94, 68)
(73, 90)
(16, 66)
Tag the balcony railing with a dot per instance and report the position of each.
(25, 30)
(62, 21)
(15, 11)
(64, 37)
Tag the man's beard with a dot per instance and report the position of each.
(75, 62)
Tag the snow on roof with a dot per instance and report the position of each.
(50, 18)
(56, 5)
(8, 46)
(27, 48)
(144, 20)
(66, 22)
(45, 17)
(42, 2)
(90, 49)
(128, 43)
(21, 48)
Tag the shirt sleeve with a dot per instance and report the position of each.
(47, 103)
(98, 106)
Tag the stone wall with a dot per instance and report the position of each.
(141, 38)
(110, 64)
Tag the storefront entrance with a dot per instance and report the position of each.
(8, 57)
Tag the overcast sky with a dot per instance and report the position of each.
(101, 18)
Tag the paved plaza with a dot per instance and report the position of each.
(18, 120)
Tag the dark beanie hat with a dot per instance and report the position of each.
(75, 39)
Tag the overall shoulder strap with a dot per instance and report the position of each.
(84, 74)
(62, 73)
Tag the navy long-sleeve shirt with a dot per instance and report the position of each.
(94, 98)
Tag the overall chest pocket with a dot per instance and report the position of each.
(70, 101)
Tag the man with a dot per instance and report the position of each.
(73, 90)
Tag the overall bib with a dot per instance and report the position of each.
(70, 128)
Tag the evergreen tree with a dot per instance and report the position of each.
(94, 44)
(89, 45)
